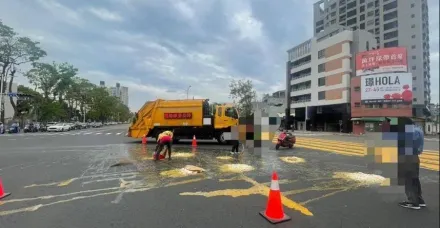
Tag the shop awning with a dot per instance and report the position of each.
(375, 119)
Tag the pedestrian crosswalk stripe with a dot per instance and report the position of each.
(429, 158)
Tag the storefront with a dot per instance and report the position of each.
(363, 125)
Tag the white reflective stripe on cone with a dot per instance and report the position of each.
(274, 185)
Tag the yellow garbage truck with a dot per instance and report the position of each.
(186, 118)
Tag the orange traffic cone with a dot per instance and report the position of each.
(3, 194)
(274, 211)
(194, 142)
(144, 139)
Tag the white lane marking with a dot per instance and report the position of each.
(12, 139)
(108, 133)
(119, 133)
(99, 133)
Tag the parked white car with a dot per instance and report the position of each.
(59, 127)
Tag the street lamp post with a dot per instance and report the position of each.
(187, 91)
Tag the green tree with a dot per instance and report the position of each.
(15, 50)
(29, 103)
(45, 78)
(243, 91)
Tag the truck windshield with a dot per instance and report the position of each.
(231, 112)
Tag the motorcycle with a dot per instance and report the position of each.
(288, 141)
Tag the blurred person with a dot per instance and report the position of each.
(410, 146)
(164, 139)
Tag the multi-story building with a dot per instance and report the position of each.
(318, 78)
(102, 84)
(394, 23)
(273, 105)
(120, 92)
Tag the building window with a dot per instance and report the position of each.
(351, 21)
(390, 25)
(377, 106)
(357, 104)
(362, 9)
(321, 54)
(370, 22)
(362, 17)
(413, 36)
(368, 46)
(412, 5)
(390, 35)
(390, 5)
(357, 89)
(413, 47)
(362, 26)
(321, 67)
(414, 78)
(414, 88)
(412, 15)
(321, 81)
(415, 99)
(333, 21)
(368, 106)
(413, 67)
(413, 26)
(370, 14)
(321, 95)
(392, 44)
(413, 57)
(390, 16)
(351, 5)
(370, 4)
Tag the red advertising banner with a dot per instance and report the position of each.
(382, 61)
(185, 115)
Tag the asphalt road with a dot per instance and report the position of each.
(431, 143)
(107, 180)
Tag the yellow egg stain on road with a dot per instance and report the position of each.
(183, 172)
(235, 168)
(224, 158)
(124, 187)
(69, 181)
(256, 189)
(292, 159)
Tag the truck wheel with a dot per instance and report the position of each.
(221, 139)
(277, 146)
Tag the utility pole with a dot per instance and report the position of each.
(187, 90)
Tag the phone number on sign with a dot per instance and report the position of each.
(186, 115)
(382, 89)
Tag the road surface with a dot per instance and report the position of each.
(99, 178)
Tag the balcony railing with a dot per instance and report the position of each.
(301, 76)
(302, 88)
(302, 101)
(300, 64)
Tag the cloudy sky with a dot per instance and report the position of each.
(158, 48)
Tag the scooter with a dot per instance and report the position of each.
(289, 141)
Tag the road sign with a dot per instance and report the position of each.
(12, 94)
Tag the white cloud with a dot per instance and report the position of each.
(62, 12)
(105, 14)
(247, 26)
(185, 9)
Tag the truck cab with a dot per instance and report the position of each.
(225, 116)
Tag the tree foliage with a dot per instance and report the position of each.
(57, 93)
(243, 92)
(15, 50)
